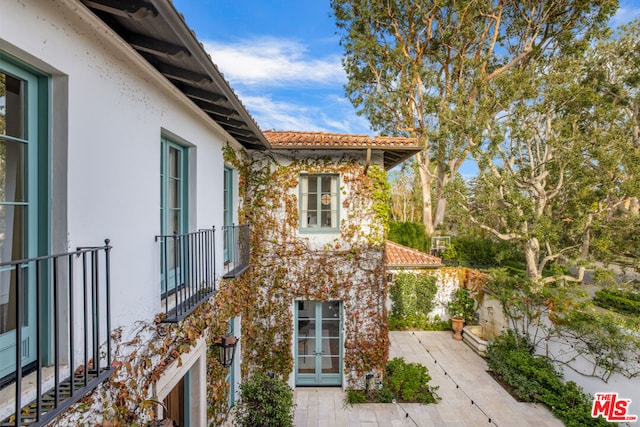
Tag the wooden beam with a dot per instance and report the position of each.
(225, 121)
(183, 75)
(240, 132)
(133, 9)
(156, 47)
(216, 109)
(203, 95)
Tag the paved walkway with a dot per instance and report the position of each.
(454, 367)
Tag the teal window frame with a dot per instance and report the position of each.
(304, 213)
(181, 179)
(228, 214)
(36, 192)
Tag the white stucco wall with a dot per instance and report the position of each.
(110, 110)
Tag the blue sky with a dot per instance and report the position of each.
(282, 57)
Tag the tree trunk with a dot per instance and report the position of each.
(532, 255)
(425, 181)
(441, 207)
(586, 238)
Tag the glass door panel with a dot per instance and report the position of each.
(18, 212)
(319, 343)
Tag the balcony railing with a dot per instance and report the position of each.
(237, 249)
(59, 327)
(188, 272)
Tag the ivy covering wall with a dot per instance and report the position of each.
(288, 266)
(285, 266)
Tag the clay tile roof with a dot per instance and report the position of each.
(396, 149)
(397, 255)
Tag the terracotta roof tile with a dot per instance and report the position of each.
(398, 255)
(294, 139)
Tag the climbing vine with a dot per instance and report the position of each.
(288, 266)
(285, 266)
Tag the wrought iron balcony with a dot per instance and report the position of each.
(188, 272)
(237, 249)
(56, 324)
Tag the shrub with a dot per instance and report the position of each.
(383, 394)
(624, 302)
(354, 397)
(411, 234)
(408, 381)
(462, 305)
(412, 297)
(535, 379)
(264, 402)
(482, 252)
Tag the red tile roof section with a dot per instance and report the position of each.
(399, 255)
(294, 139)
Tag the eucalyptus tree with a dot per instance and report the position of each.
(404, 193)
(425, 68)
(562, 158)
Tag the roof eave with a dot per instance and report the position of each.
(176, 23)
(412, 266)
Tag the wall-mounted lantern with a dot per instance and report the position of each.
(226, 345)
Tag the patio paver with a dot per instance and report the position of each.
(455, 368)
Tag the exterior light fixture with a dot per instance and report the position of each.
(226, 345)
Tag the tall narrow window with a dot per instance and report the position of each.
(319, 203)
(173, 203)
(23, 202)
(228, 215)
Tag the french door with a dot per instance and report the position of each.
(173, 213)
(318, 343)
(18, 213)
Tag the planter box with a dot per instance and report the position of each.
(472, 336)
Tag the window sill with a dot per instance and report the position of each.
(319, 230)
(236, 272)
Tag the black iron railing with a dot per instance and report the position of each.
(237, 245)
(68, 352)
(188, 272)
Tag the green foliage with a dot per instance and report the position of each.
(383, 394)
(402, 380)
(408, 381)
(534, 379)
(625, 302)
(462, 305)
(411, 234)
(483, 252)
(437, 324)
(264, 402)
(354, 397)
(412, 297)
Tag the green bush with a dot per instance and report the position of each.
(408, 381)
(462, 305)
(383, 394)
(482, 252)
(264, 402)
(402, 380)
(624, 302)
(411, 234)
(412, 297)
(355, 396)
(534, 379)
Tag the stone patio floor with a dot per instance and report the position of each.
(470, 397)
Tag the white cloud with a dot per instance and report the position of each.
(626, 13)
(279, 115)
(272, 61)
